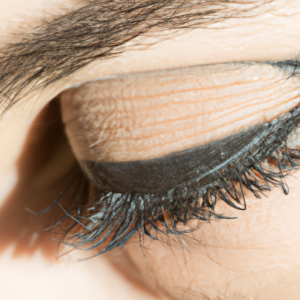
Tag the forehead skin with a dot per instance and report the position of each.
(273, 34)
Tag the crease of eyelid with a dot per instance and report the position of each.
(186, 91)
(170, 142)
(111, 148)
(189, 90)
(183, 103)
(193, 102)
(237, 106)
(206, 131)
(202, 88)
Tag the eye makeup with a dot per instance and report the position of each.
(165, 173)
(262, 162)
(157, 195)
(144, 116)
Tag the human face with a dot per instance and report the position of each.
(255, 256)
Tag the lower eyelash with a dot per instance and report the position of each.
(109, 219)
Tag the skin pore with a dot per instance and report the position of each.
(253, 257)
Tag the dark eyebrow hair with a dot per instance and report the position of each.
(99, 29)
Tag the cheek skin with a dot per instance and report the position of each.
(256, 256)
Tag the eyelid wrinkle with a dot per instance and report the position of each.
(200, 163)
(102, 124)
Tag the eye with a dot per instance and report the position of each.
(164, 148)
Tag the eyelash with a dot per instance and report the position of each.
(104, 218)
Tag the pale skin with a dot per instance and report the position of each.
(253, 257)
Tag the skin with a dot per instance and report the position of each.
(253, 257)
(138, 117)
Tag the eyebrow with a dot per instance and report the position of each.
(98, 30)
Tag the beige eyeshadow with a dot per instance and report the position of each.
(143, 116)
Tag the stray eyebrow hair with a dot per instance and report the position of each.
(98, 30)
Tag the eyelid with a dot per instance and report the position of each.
(202, 163)
(290, 67)
(111, 218)
(136, 117)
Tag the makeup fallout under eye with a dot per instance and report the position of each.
(157, 196)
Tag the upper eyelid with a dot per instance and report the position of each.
(220, 126)
(290, 67)
(125, 198)
(82, 108)
(280, 65)
(179, 118)
(138, 212)
(183, 91)
(162, 144)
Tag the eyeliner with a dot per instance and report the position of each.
(202, 163)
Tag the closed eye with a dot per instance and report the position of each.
(137, 186)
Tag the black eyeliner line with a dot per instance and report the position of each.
(200, 163)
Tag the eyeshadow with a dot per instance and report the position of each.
(145, 116)
(202, 163)
(137, 196)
